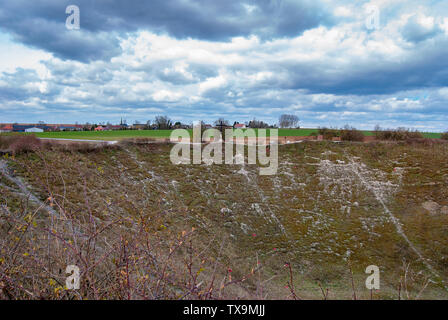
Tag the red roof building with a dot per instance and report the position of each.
(6, 127)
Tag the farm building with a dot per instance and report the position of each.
(24, 127)
(68, 128)
(139, 126)
(99, 128)
(239, 126)
(34, 129)
(113, 127)
(6, 128)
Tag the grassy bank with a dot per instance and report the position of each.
(139, 226)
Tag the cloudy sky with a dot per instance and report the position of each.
(329, 62)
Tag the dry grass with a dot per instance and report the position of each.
(351, 134)
(444, 136)
(17, 144)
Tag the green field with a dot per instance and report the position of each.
(126, 134)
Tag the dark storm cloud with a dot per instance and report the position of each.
(424, 67)
(42, 23)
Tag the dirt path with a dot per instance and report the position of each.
(380, 197)
(22, 189)
(79, 140)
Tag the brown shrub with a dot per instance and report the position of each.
(399, 134)
(4, 144)
(444, 136)
(423, 141)
(329, 134)
(17, 144)
(351, 134)
(81, 147)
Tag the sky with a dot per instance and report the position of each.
(330, 63)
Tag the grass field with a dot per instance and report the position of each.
(125, 134)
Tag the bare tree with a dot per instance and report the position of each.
(163, 122)
(221, 121)
(288, 121)
(258, 124)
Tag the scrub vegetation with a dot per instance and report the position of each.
(140, 227)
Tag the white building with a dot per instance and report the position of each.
(34, 130)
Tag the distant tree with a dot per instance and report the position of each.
(223, 121)
(178, 125)
(288, 121)
(257, 124)
(163, 122)
(86, 127)
(377, 130)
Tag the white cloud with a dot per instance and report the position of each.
(14, 55)
(166, 95)
(212, 83)
(342, 11)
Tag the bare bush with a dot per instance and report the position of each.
(328, 133)
(17, 144)
(351, 134)
(81, 147)
(136, 141)
(444, 136)
(399, 134)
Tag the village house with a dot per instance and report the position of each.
(139, 126)
(6, 128)
(113, 127)
(69, 127)
(239, 126)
